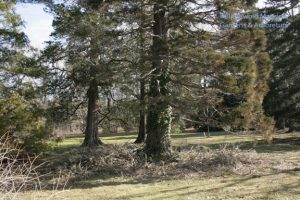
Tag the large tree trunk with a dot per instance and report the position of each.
(142, 128)
(159, 118)
(91, 131)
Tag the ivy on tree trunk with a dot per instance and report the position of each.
(159, 119)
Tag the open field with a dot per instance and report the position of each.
(281, 184)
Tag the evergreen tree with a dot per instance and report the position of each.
(21, 113)
(176, 49)
(185, 52)
(282, 101)
(85, 39)
(160, 113)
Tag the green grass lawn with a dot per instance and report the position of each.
(275, 186)
(177, 139)
(284, 185)
(217, 139)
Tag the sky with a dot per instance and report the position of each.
(38, 23)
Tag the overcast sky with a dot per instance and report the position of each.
(38, 23)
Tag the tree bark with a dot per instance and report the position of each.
(142, 124)
(159, 118)
(91, 133)
(280, 124)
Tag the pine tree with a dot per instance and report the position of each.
(21, 113)
(282, 101)
(159, 116)
(185, 52)
(176, 49)
(88, 51)
(249, 67)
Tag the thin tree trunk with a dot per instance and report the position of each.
(159, 118)
(142, 124)
(91, 133)
(281, 124)
(109, 129)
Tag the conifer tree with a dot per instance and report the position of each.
(85, 39)
(160, 113)
(179, 52)
(282, 101)
(21, 113)
(233, 61)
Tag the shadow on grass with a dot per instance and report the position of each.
(277, 146)
(289, 188)
(193, 188)
(287, 145)
(96, 181)
(199, 135)
(260, 146)
(120, 138)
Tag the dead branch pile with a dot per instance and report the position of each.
(129, 160)
(17, 170)
(231, 159)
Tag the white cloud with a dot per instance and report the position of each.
(38, 23)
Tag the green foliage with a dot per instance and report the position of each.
(20, 102)
(14, 115)
(282, 101)
(218, 77)
(22, 122)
